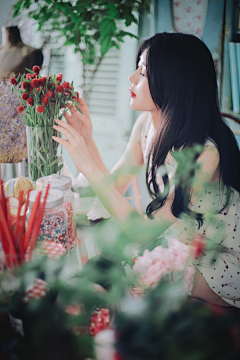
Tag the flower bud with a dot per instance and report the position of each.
(25, 85)
(34, 83)
(60, 89)
(20, 109)
(30, 101)
(36, 69)
(40, 109)
(45, 100)
(13, 81)
(25, 96)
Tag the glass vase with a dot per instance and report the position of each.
(44, 154)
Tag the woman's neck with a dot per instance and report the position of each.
(156, 118)
(10, 36)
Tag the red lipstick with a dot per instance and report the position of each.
(132, 94)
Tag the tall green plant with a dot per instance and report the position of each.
(93, 27)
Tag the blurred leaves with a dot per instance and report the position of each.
(92, 27)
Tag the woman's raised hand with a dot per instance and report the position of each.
(80, 122)
(75, 145)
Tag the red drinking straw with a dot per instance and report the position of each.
(21, 238)
(39, 219)
(31, 220)
(11, 252)
(3, 197)
(18, 216)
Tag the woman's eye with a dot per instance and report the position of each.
(143, 75)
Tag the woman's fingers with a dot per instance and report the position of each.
(63, 142)
(69, 136)
(67, 127)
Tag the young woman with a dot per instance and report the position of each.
(175, 86)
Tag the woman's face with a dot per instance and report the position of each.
(141, 99)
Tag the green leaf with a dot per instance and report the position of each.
(30, 71)
(79, 109)
(107, 27)
(106, 45)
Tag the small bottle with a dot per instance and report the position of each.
(54, 224)
(63, 183)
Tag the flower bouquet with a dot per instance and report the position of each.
(41, 99)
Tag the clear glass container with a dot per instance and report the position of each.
(54, 224)
(44, 154)
(64, 184)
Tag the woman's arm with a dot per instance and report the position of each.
(130, 162)
(141, 229)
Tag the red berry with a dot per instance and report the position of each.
(36, 69)
(66, 85)
(34, 83)
(25, 96)
(48, 94)
(25, 85)
(59, 77)
(13, 81)
(20, 109)
(40, 109)
(60, 89)
(30, 101)
(45, 100)
(41, 82)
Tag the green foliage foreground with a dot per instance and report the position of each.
(161, 325)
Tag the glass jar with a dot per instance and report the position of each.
(64, 183)
(54, 224)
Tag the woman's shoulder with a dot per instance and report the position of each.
(210, 156)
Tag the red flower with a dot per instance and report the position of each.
(53, 102)
(67, 93)
(30, 87)
(30, 101)
(53, 84)
(198, 245)
(53, 93)
(60, 89)
(34, 83)
(48, 94)
(45, 100)
(100, 319)
(36, 69)
(38, 89)
(25, 85)
(70, 87)
(13, 81)
(25, 96)
(33, 76)
(40, 109)
(66, 85)
(74, 98)
(41, 82)
(77, 93)
(20, 109)
(28, 76)
(44, 78)
(59, 77)
(63, 106)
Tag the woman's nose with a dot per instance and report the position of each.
(133, 77)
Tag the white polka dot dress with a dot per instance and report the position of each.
(220, 264)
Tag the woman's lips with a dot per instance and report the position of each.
(132, 94)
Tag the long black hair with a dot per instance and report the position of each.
(183, 84)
